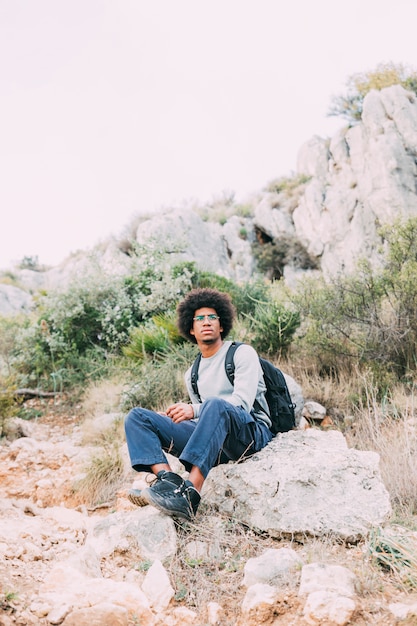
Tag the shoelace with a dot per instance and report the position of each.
(185, 491)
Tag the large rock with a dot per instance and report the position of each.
(365, 176)
(303, 483)
(188, 238)
(14, 300)
(144, 531)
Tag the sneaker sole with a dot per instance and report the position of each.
(138, 500)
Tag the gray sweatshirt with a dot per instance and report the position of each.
(213, 382)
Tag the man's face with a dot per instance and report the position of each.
(206, 326)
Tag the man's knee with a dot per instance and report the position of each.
(213, 408)
(214, 404)
(136, 417)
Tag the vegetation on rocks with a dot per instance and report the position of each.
(350, 105)
(369, 319)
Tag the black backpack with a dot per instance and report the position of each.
(281, 406)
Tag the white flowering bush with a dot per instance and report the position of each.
(90, 320)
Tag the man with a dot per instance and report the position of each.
(216, 427)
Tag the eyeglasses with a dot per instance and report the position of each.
(212, 317)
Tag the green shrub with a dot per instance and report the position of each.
(30, 263)
(219, 209)
(102, 313)
(48, 363)
(159, 383)
(337, 328)
(288, 185)
(272, 256)
(9, 406)
(80, 328)
(394, 550)
(369, 317)
(153, 338)
(244, 210)
(243, 295)
(272, 327)
(9, 329)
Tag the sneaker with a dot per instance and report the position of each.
(164, 481)
(182, 501)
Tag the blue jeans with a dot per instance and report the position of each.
(222, 433)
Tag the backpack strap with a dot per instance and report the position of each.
(194, 375)
(229, 365)
(229, 362)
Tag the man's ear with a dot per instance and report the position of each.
(192, 331)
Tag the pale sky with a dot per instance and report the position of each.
(111, 108)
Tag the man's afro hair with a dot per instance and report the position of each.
(209, 298)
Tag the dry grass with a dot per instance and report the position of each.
(333, 392)
(102, 397)
(103, 431)
(395, 551)
(209, 563)
(390, 429)
(102, 427)
(102, 478)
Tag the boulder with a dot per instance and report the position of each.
(14, 300)
(303, 483)
(143, 531)
(188, 238)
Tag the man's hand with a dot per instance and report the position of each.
(180, 412)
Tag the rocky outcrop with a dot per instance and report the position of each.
(214, 248)
(14, 300)
(304, 483)
(350, 185)
(364, 177)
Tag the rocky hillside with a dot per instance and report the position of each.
(324, 219)
(284, 538)
(300, 534)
